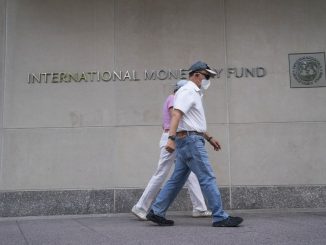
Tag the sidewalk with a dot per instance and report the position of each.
(297, 227)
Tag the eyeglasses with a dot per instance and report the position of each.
(207, 76)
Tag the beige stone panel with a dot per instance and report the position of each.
(219, 159)
(2, 57)
(215, 102)
(104, 28)
(155, 35)
(141, 103)
(137, 154)
(2, 64)
(265, 32)
(60, 105)
(270, 99)
(58, 36)
(278, 154)
(167, 34)
(58, 159)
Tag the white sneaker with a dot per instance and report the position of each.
(201, 214)
(139, 213)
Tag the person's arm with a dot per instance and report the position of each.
(175, 119)
(216, 145)
(170, 111)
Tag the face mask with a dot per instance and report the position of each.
(205, 84)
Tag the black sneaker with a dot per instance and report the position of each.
(228, 222)
(158, 219)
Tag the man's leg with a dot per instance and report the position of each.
(196, 196)
(153, 187)
(171, 188)
(200, 165)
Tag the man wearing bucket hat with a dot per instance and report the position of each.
(187, 134)
(165, 163)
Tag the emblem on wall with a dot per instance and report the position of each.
(307, 70)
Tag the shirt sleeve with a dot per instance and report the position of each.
(169, 102)
(183, 100)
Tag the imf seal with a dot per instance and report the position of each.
(307, 70)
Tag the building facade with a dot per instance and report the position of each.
(82, 85)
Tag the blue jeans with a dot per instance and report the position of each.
(192, 156)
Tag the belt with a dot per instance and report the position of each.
(182, 134)
(166, 130)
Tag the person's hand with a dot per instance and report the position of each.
(170, 146)
(216, 145)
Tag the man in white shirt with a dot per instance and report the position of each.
(165, 163)
(187, 133)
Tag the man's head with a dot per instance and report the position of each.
(179, 84)
(200, 71)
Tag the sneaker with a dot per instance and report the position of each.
(139, 213)
(228, 222)
(201, 214)
(158, 219)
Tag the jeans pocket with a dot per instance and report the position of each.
(199, 149)
(199, 141)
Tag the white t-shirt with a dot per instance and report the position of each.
(188, 99)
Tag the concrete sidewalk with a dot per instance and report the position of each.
(297, 227)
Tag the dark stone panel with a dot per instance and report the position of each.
(245, 198)
(225, 194)
(182, 202)
(101, 202)
(278, 197)
(125, 199)
(35, 203)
